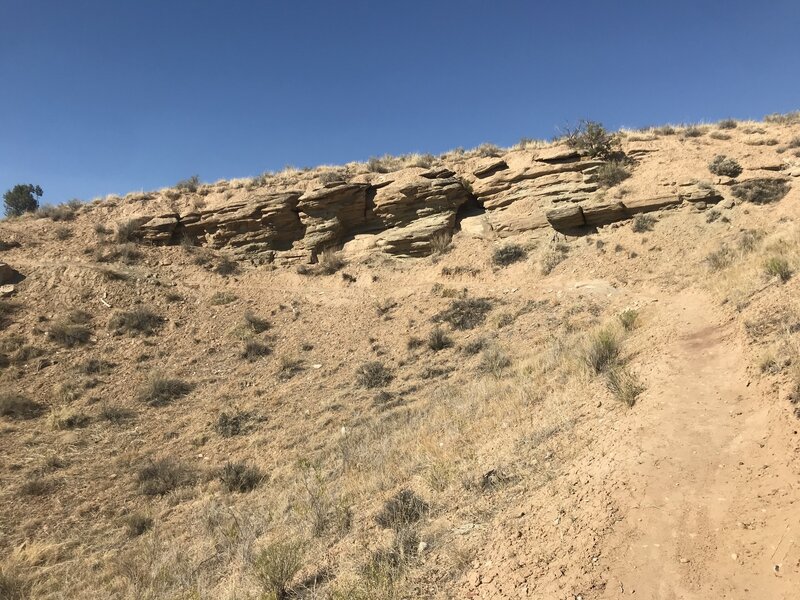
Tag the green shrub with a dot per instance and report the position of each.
(591, 138)
(508, 254)
(22, 198)
(760, 191)
(373, 374)
(275, 565)
(465, 313)
(612, 173)
(240, 477)
(722, 165)
(603, 351)
(160, 390)
(139, 320)
(777, 266)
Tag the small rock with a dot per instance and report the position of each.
(683, 561)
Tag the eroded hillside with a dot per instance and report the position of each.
(522, 373)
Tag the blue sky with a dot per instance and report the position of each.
(109, 96)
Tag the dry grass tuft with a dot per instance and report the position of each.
(240, 477)
(508, 254)
(275, 565)
(760, 191)
(625, 386)
(160, 390)
(137, 321)
(17, 406)
(602, 351)
(400, 511)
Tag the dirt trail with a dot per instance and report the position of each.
(683, 498)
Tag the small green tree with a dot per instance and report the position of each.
(22, 198)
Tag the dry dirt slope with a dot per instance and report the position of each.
(398, 452)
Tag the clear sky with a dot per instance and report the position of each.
(110, 96)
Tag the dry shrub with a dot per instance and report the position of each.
(373, 374)
(508, 254)
(612, 173)
(628, 319)
(760, 191)
(722, 165)
(161, 476)
(275, 565)
(71, 330)
(439, 340)
(160, 390)
(240, 477)
(440, 242)
(643, 223)
(465, 313)
(494, 361)
(401, 510)
(777, 266)
(253, 350)
(256, 323)
(17, 406)
(139, 320)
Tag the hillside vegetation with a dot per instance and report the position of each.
(558, 370)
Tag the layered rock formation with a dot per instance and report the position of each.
(401, 212)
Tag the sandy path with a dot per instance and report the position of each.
(683, 498)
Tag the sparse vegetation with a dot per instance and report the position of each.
(777, 266)
(642, 223)
(240, 477)
(508, 254)
(439, 340)
(624, 385)
(288, 367)
(552, 257)
(253, 350)
(71, 330)
(256, 323)
(226, 266)
(494, 361)
(127, 231)
(373, 374)
(160, 390)
(161, 476)
(140, 320)
(760, 191)
(592, 139)
(465, 313)
(602, 351)
(440, 242)
(400, 511)
(612, 173)
(722, 165)
(220, 298)
(138, 524)
(17, 406)
(727, 124)
(628, 319)
(188, 185)
(275, 565)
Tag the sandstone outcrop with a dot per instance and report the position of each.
(402, 211)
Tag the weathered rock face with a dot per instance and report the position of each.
(401, 212)
(331, 213)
